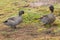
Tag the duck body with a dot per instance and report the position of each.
(48, 19)
(14, 21)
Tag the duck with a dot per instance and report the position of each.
(14, 21)
(49, 18)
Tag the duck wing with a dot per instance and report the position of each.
(45, 19)
(12, 18)
(43, 16)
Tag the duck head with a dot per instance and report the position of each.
(51, 7)
(21, 12)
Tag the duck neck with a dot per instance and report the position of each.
(52, 11)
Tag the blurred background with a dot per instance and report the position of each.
(29, 29)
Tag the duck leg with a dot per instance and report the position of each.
(47, 25)
(14, 27)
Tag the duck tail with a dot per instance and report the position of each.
(37, 18)
(4, 21)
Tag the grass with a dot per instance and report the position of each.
(10, 8)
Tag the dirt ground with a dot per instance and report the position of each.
(29, 32)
